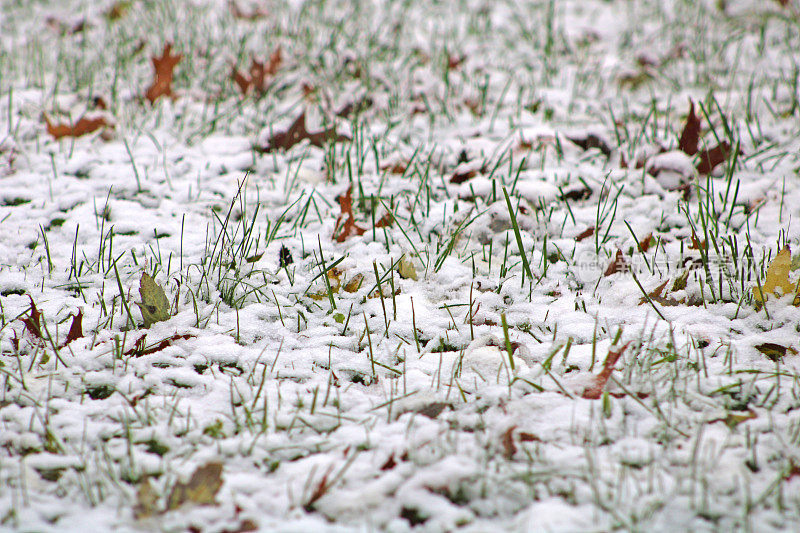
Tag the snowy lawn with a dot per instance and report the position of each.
(463, 265)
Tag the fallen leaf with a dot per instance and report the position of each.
(164, 67)
(385, 221)
(777, 281)
(201, 489)
(354, 284)
(617, 265)
(259, 73)
(644, 244)
(507, 440)
(591, 140)
(656, 293)
(284, 257)
(117, 10)
(585, 234)
(297, 133)
(146, 501)
(140, 347)
(76, 329)
(696, 244)
(775, 352)
(690, 136)
(154, 305)
(349, 226)
(734, 419)
(709, 159)
(463, 176)
(406, 268)
(432, 410)
(83, 126)
(254, 14)
(32, 323)
(595, 391)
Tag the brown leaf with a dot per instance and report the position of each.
(462, 176)
(140, 348)
(585, 234)
(696, 244)
(201, 489)
(655, 294)
(349, 226)
(81, 127)
(691, 132)
(590, 140)
(595, 391)
(258, 74)
(297, 133)
(709, 159)
(507, 440)
(32, 323)
(385, 221)
(389, 463)
(164, 67)
(644, 244)
(76, 329)
(775, 352)
(322, 488)
(617, 265)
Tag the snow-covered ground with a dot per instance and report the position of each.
(490, 286)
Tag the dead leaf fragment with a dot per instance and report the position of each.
(690, 136)
(507, 440)
(76, 329)
(349, 226)
(297, 133)
(164, 67)
(32, 323)
(259, 73)
(709, 159)
(595, 391)
(201, 489)
(775, 352)
(83, 126)
(617, 265)
(585, 234)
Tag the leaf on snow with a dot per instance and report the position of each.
(777, 281)
(709, 159)
(349, 226)
(690, 136)
(76, 329)
(297, 133)
(585, 234)
(32, 323)
(164, 67)
(259, 73)
(595, 391)
(775, 352)
(154, 305)
(201, 489)
(146, 501)
(617, 265)
(83, 126)
(140, 347)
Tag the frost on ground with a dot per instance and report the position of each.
(426, 266)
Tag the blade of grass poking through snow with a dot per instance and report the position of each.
(514, 224)
(131, 321)
(508, 341)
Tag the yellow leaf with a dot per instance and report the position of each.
(201, 489)
(406, 268)
(354, 284)
(777, 282)
(154, 305)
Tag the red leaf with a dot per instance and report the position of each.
(258, 74)
(644, 244)
(595, 391)
(617, 265)
(139, 348)
(709, 159)
(385, 221)
(76, 329)
(691, 132)
(164, 67)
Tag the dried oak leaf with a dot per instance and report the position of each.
(258, 74)
(709, 159)
(617, 265)
(164, 68)
(777, 281)
(297, 133)
(595, 391)
(349, 226)
(83, 126)
(690, 136)
(201, 489)
(76, 329)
